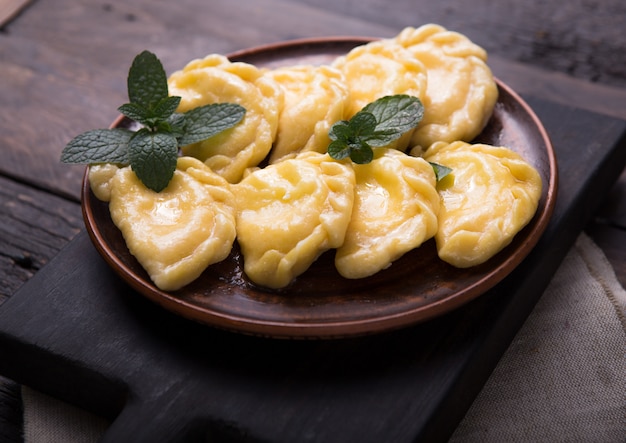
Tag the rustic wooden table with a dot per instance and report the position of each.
(63, 66)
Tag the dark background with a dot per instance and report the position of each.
(583, 38)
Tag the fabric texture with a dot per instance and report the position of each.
(563, 378)
(48, 420)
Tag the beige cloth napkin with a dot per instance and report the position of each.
(563, 379)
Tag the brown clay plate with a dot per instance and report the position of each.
(320, 303)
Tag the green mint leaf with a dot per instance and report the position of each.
(98, 146)
(340, 131)
(350, 138)
(135, 112)
(382, 138)
(376, 125)
(440, 170)
(153, 157)
(166, 107)
(176, 124)
(147, 81)
(339, 150)
(361, 154)
(206, 121)
(396, 113)
(152, 151)
(151, 118)
(362, 125)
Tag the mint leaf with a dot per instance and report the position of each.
(339, 150)
(440, 170)
(147, 81)
(152, 152)
(176, 125)
(396, 113)
(151, 117)
(383, 138)
(153, 157)
(377, 124)
(135, 112)
(349, 138)
(166, 107)
(98, 146)
(361, 154)
(206, 121)
(362, 126)
(340, 131)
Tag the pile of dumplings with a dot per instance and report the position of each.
(301, 202)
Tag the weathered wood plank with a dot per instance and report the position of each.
(558, 87)
(613, 210)
(57, 84)
(611, 240)
(608, 228)
(581, 38)
(34, 226)
(10, 411)
(9, 9)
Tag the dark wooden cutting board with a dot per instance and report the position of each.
(77, 332)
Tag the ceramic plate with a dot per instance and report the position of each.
(320, 303)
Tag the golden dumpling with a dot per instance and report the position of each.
(100, 176)
(215, 79)
(461, 91)
(489, 196)
(315, 98)
(378, 69)
(395, 210)
(289, 213)
(177, 233)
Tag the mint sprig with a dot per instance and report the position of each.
(152, 151)
(377, 124)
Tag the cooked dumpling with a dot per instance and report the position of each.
(395, 210)
(315, 98)
(461, 91)
(489, 196)
(177, 233)
(215, 79)
(100, 176)
(378, 69)
(289, 213)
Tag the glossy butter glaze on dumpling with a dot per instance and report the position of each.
(315, 97)
(461, 91)
(289, 213)
(379, 69)
(395, 210)
(215, 79)
(489, 196)
(177, 233)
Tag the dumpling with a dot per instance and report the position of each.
(100, 176)
(289, 213)
(395, 210)
(215, 79)
(177, 233)
(489, 196)
(378, 69)
(315, 98)
(461, 91)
